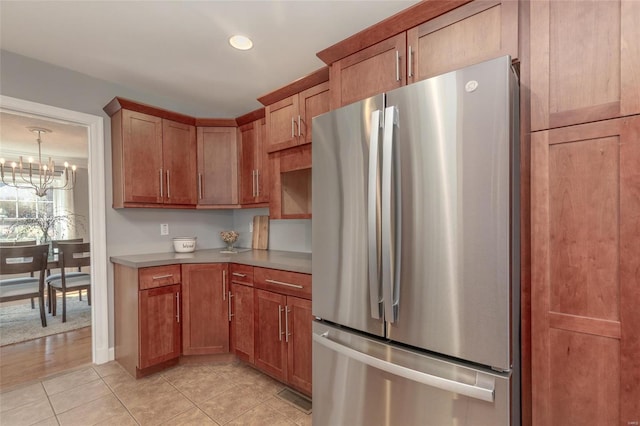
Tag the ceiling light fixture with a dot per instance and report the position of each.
(44, 173)
(241, 42)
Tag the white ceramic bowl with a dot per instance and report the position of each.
(184, 244)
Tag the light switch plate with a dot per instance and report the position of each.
(164, 229)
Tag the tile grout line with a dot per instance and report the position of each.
(188, 399)
(55, 416)
(115, 395)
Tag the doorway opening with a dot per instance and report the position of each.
(97, 219)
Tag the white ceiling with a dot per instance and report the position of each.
(176, 49)
(180, 49)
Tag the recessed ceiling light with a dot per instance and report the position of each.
(241, 42)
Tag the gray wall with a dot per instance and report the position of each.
(131, 231)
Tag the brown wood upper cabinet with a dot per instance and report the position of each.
(586, 61)
(291, 183)
(472, 33)
(205, 302)
(217, 166)
(154, 158)
(289, 120)
(468, 34)
(254, 170)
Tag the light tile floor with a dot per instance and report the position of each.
(188, 394)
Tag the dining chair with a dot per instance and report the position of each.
(70, 255)
(24, 260)
(14, 243)
(54, 254)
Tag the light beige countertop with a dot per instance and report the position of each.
(275, 259)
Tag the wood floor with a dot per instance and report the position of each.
(39, 358)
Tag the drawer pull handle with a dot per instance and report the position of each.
(285, 284)
(238, 274)
(159, 277)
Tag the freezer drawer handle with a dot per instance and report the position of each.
(472, 391)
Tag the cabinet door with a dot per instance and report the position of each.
(248, 148)
(179, 159)
(242, 334)
(142, 157)
(298, 337)
(313, 101)
(263, 176)
(371, 71)
(472, 33)
(585, 58)
(270, 347)
(217, 166)
(585, 198)
(282, 123)
(205, 325)
(159, 325)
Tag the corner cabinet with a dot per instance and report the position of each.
(147, 318)
(154, 158)
(217, 166)
(205, 305)
(283, 322)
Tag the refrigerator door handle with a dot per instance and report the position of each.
(484, 389)
(375, 293)
(390, 217)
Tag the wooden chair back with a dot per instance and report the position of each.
(74, 255)
(55, 243)
(23, 259)
(18, 243)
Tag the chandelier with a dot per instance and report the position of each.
(38, 176)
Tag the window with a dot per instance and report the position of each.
(25, 216)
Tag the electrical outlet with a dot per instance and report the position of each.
(251, 226)
(164, 229)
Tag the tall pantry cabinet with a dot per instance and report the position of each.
(585, 217)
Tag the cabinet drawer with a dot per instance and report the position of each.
(241, 274)
(159, 276)
(283, 282)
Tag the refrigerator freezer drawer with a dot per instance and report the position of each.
(361, 381)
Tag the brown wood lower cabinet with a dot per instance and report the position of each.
(283, 327)
(147, 317)
(205, 325)
(241, 313)
(159, 325)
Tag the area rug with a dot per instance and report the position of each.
(19, 323)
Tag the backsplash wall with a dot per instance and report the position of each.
(286, 235)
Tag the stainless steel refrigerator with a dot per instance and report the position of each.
(415, 254)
